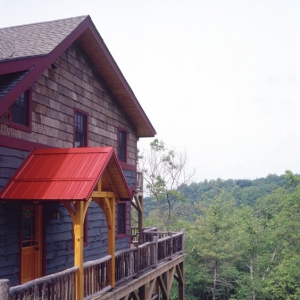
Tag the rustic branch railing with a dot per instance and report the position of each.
(147, 234)
(160, 246)
(96, 276)
(169, 243)
(55, 287)
(135, 233)
(131, 262)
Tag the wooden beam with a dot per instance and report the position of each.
(138, 204)
(78, 213)
(135, 296)
(170, 279)
(179, 271)
(98, 194)
(86, 206)
(112, 240)
(133, 204)
(108, 177)
(150, 289)
(78, 248)
(163, 286)
(142, 292)
(122, 290)
(181, 282)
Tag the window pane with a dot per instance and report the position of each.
(28, 227)
(20, 110)
(122, 145)
(80, 130)
(121, 218)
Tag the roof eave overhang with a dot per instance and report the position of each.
(108, 68)
(7, 193)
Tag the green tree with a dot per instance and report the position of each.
(213, 249)
(164, 171)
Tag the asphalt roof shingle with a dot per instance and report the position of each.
(8, 81)
(35, 39)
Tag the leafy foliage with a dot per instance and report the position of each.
(164, 171)
(242, 237)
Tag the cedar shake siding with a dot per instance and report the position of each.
(74, 83)
(68, 70)
(10, 224)
(58, 238)
(10, 160)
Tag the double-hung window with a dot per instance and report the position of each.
(20, 112)
(80, 129)
(121, 219)
(122, 145)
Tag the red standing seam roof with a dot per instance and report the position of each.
(64, 174)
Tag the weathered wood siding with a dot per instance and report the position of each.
(10, 160)
(10, 218)
(124, 242)
(59, 237)
(74, 84)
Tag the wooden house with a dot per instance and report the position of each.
(69, 126)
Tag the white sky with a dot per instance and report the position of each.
(219, 79)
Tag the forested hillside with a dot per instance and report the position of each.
(242, 191)
(242, 237)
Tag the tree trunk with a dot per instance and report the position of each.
(252, 277)
(214, 290)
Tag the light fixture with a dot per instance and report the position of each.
(55, 214)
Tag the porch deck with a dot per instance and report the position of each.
(141, 272)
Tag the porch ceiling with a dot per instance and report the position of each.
(65, 174)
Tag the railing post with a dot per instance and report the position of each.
(137, 260)
(155, 239)
(182, 230)
(141, 236)
(4, 289)
(171, 244)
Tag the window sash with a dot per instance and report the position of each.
(20, 110)
(121, 220)
(80, 130)
(122, 141)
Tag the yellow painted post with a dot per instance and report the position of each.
(78, 247)
(111, 239)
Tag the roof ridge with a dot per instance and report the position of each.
(46, 22)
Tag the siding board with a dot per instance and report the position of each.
(73, 84)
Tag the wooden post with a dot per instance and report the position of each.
(78, 248)
(137, 260)
(4, 289)
(140, 214)
(171, 244)
(182, 230)
(141, 236)
(111, 239)
(155, 239)
(181, 282)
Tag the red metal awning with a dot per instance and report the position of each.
(65, 174)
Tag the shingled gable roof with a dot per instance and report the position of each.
(66, 174)
(32, 48)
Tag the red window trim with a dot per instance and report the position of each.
(121, 235)
(19, 126)
(86, 128)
